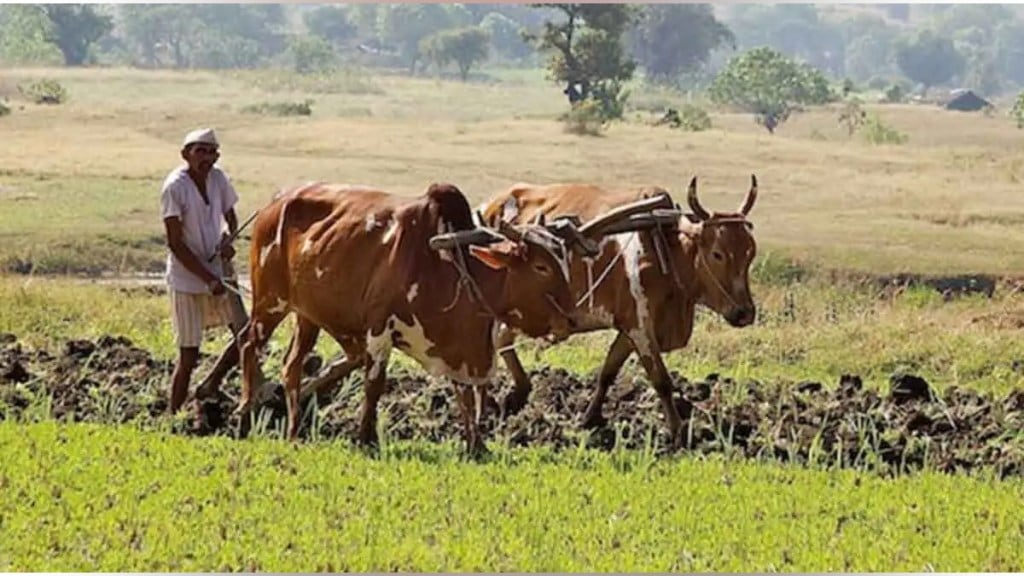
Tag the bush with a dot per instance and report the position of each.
(45, 91)
(895, 94)
(303, 108)
(585, 119)
(1017, 112)
(877, 132)
(611, 96)
(852, 116)
(4, 110)
(689, 118)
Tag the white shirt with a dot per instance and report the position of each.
(202, 224)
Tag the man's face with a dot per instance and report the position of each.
(200, 157)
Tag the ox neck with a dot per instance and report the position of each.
(492, 284)
(690, 268)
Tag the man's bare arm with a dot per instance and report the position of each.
(232, 219)
(226, 249)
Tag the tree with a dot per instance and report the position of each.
(203, 36)
(464, 46)
(154, 33)
(505, 36)
(24, 36)
(75, 28)
(867, 56)
(963, 16)
(769, 85)
(795, 30)
(928, 58)
(586, 52)
(330, 23)
(1009, 50)
(671, 39)
(405, 25)
(311, 55)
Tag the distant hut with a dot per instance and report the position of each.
(966, 101)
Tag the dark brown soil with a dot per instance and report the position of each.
(907, 426)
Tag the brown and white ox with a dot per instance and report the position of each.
(644, 284)
(380, 272)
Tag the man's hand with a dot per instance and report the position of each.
(226, 249)
(216, 287)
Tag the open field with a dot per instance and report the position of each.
(944, 202)
(79, 198)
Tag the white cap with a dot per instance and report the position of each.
(201, 136)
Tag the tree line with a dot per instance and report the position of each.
(591, 50)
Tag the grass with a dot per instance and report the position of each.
(82, 496)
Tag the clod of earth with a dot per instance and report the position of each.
(111, 380)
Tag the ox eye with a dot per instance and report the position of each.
(718, 255)
(542, 269)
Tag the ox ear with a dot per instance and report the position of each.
(494, 257)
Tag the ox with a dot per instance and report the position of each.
(380, 272)
(644, 284)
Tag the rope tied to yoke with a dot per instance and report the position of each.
(592, 287)
(465, 279)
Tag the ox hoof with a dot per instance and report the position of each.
(512, 405)
(593, 421)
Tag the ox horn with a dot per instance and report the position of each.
(748, 202)
(509, 231)
(598, 226)
(691, 199)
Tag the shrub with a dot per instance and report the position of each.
(303, 108)
(1017, 112)
(895, 94)
(45, 91)
(877, 132)
(852, 116)
(689, 118)
(585, 118)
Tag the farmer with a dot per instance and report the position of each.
(197, 200)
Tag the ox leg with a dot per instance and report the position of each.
(303, 342)
(261, 327)
(619, 351)
(326, 382)
(374, 386)
(229, 357)
(475, 445)
(521, 385)
(662, 382)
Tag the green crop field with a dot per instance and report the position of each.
(81, 240)
(84, 497)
